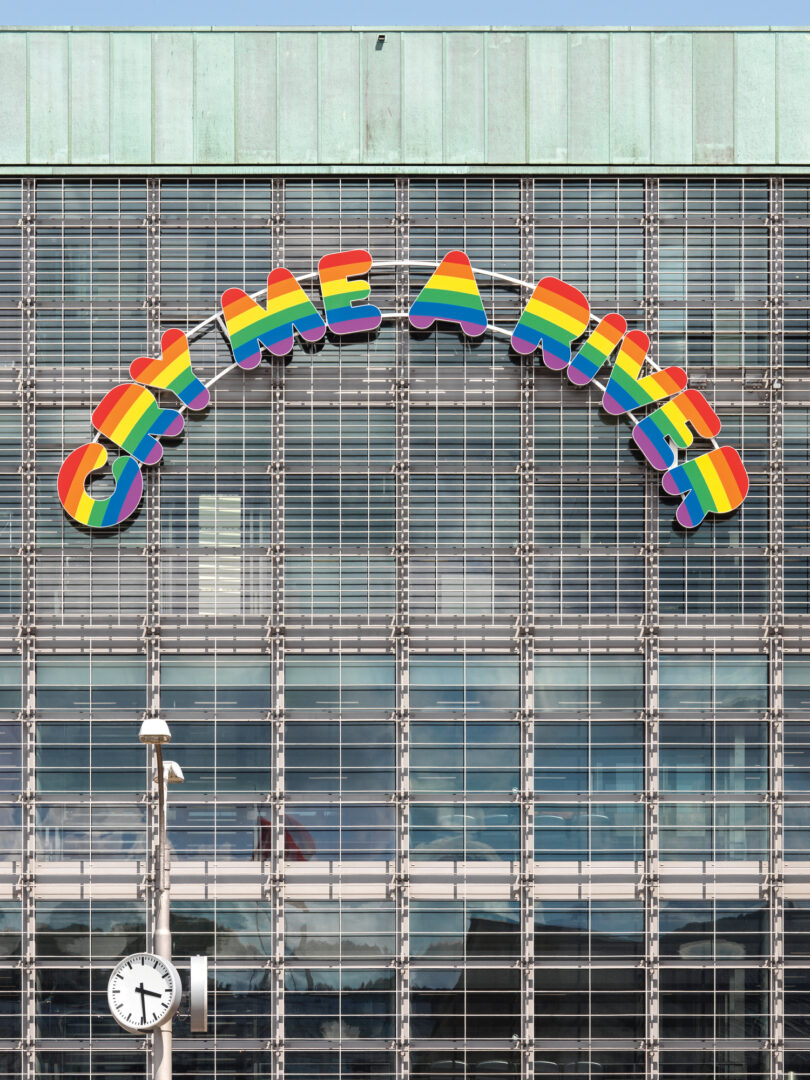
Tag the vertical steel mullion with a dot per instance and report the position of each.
(526, 647)
(275, 645)
(274, 891)
(775, 628)
(650, 644)
(401, 627)
(401, 880)
(151, 622)
(152, 479)
(26, 635)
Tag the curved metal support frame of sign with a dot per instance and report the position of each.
(555, 315)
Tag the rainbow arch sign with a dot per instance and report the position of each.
(555, 316)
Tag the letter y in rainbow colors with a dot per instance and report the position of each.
(130, 416)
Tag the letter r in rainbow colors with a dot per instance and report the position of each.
(555, 315)
(343, 314)
(713, 483)
(451, 295)
(250, 326)
(130, 417)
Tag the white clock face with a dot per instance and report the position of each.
(143, 992)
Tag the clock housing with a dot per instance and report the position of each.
(143, 992)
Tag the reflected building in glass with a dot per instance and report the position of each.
(491, 769)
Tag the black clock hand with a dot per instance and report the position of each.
(141, 991)
(151, 993)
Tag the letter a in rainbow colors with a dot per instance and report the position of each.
(713, 483)
(651, 434)
(343, 314)
(250, 326)
(99, 513)
(172, 371)
(555, 315)
(451, 295)
(625, 391)
(130, 417)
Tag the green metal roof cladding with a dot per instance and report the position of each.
(224, 100)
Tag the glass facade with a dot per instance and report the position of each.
(491, 770)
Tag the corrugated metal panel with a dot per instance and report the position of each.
(256, 113)
(89, 125)
(548, 99)
(13, 119)
(297, 80)
(464, 75)
(589, 98)
(130, 98)
(48, 97)
(506, 68)
(339, 68)
(755, 98)
(672, 99)
(713, 80)
(421, 90)
(630, 99)
(455, 99)
(214, 98)
(173, 118)
(382, 124)
(792, 97)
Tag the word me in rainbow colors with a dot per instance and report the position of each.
(556, 315)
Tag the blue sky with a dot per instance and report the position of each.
(413, 13)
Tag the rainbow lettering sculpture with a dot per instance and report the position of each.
(343, 314)
(625, 391)
(595, 351)
(130, 417)
(251, 326)
(172, 371)
(555, 316)
(99, 513)
(451, 295)
(713, 483)
(671, 421)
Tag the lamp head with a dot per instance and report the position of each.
(172, 773)
(154, 731)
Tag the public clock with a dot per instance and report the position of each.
(143, 992)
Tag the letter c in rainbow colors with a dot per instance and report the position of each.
(99, 513)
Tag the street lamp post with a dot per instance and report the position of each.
(155, 732)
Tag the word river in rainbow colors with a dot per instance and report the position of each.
(556, 315)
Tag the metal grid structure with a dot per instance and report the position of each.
(264, 574)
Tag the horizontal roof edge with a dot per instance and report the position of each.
(528, 28)
(377, 170)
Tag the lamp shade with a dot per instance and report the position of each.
(172, 772)
(154, 730)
